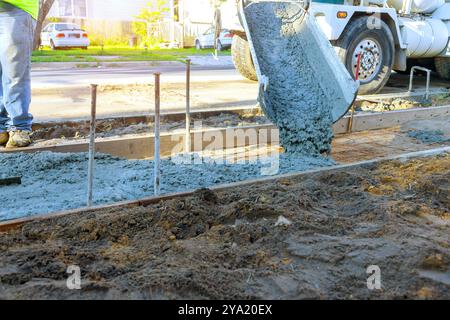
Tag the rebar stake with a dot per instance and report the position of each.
(157, 172)
(188, 106)
(352, 110)
(92, 145)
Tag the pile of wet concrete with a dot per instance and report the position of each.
(55, 182)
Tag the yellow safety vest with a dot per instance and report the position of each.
(30, 6)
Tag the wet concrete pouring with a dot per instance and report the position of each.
(305, 103)
(310, 237)
(301, 237)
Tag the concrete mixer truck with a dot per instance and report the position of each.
(380, 35)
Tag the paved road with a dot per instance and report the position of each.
(170, 73)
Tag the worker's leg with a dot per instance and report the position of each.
(4, 136)
(3, 114)
(16, 40)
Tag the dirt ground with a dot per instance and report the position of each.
(402, 103)
(78, 131)
(307, 237)
(57, 133)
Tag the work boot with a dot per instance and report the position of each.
(4, 137)
(19, 139)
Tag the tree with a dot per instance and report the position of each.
(44, 9)
(147, 25)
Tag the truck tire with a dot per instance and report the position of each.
(242, 58)
(443, 67)
(377, 48)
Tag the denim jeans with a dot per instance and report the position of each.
(16, 41)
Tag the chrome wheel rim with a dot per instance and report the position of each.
(371, 58)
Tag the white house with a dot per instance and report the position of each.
(111, 19)
(112, 10)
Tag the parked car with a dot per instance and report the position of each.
(206, 40)
(64, 35)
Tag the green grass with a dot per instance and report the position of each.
(119, 54)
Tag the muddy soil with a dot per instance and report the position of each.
(308, 237)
